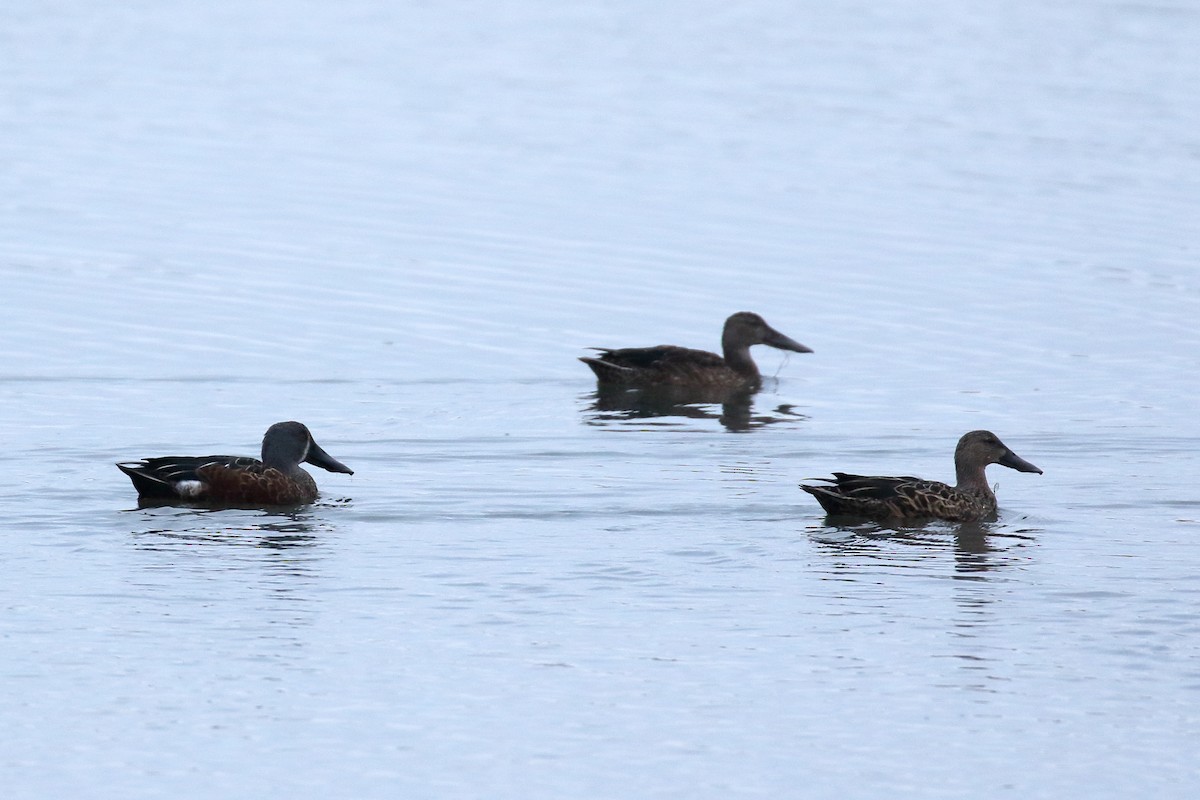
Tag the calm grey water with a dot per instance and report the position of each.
(401, 223)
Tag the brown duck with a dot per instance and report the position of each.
(669, 365)
(276, 480)
(913, 498)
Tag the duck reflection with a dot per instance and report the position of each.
(255, 575)
(978, 547)
(272, 530)
(733, 408)
(967, 608)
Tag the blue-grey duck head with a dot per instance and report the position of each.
(745, 329)
(287, 444)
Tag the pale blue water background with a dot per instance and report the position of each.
(401, 223)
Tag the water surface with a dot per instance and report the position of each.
(402, 224)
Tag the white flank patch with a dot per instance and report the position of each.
(191, 488)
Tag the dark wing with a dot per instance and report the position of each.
(663, 364)
(882, 496)
(665, 356)
(874, 487)
(158, 477)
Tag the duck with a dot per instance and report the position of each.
(670, 365)
(970, 499)
(275, 480)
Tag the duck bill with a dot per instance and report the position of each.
(319, 458)
(1014, 461)
(776, 339)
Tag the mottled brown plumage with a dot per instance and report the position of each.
(669, 365)
(257, 483)
(276, 480)
(879, 497)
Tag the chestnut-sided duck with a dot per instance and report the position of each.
(913, 498)
(275, 480)
(669, 365)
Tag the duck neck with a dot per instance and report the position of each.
(972, 479)
(739, 360)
